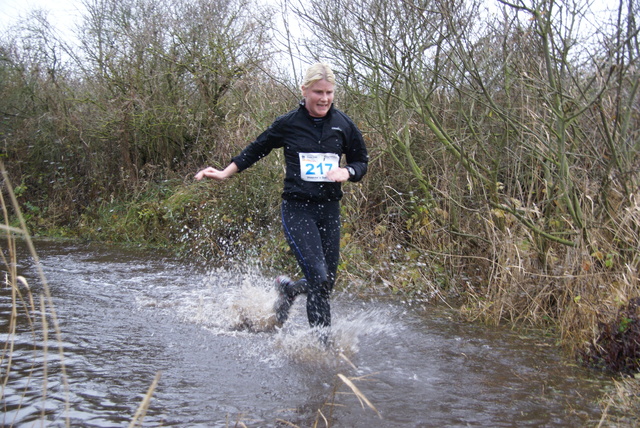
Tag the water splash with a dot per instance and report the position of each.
(229, 302)
(233, 303)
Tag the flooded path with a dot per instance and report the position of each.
(127, 316)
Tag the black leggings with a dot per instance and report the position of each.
(313, 233)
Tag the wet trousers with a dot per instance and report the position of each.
(313, 233)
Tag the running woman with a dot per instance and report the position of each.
(315, 138)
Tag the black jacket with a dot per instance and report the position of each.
(298, 132)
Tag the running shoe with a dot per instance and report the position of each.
(284, 300)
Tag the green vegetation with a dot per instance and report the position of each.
(504, 148)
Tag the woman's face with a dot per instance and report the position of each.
(318, 98)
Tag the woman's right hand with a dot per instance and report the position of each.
(216, 174)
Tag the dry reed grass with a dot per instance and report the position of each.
(330, 404)
(23, 302)
(41, 317)
(587, 295)
(622, 406)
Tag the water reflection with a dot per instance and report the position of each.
(126, 315)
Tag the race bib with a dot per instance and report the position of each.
(314, 166)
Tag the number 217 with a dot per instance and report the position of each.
(319, 167)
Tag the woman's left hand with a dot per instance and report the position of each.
(339, 175)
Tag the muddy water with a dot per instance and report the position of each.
(127, 316)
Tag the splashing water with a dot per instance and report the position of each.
(233, 303)
(226, 302)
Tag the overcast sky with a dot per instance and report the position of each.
(63, 14)
(61, 10)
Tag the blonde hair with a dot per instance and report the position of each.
(318, 71)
